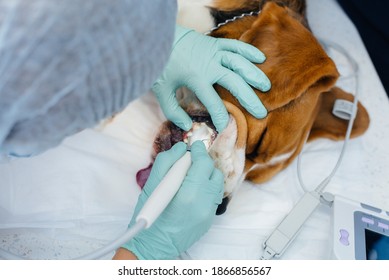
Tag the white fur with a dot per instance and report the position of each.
(275, 160)
(228, 158)
(280, 158)
(195, 14)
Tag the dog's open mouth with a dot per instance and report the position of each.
(170, 134)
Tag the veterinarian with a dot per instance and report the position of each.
(66, 65)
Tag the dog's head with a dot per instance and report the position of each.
(299, 103)
(302, 95)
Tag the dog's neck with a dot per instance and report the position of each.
(231, 19)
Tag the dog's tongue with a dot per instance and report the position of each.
(142, 175)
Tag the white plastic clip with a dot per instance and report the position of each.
(343, 109)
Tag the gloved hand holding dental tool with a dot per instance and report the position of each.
(66, 65)
(188, 216)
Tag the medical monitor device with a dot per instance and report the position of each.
(360, 231)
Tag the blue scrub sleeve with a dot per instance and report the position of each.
(66, 65)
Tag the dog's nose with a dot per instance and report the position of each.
(223, 206)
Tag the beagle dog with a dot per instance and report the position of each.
(299, 103)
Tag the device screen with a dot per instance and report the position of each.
(377, 246)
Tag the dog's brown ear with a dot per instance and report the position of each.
(329, 126)
(296, 63)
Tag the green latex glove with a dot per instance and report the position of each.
(198, 62)
(191, 212)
